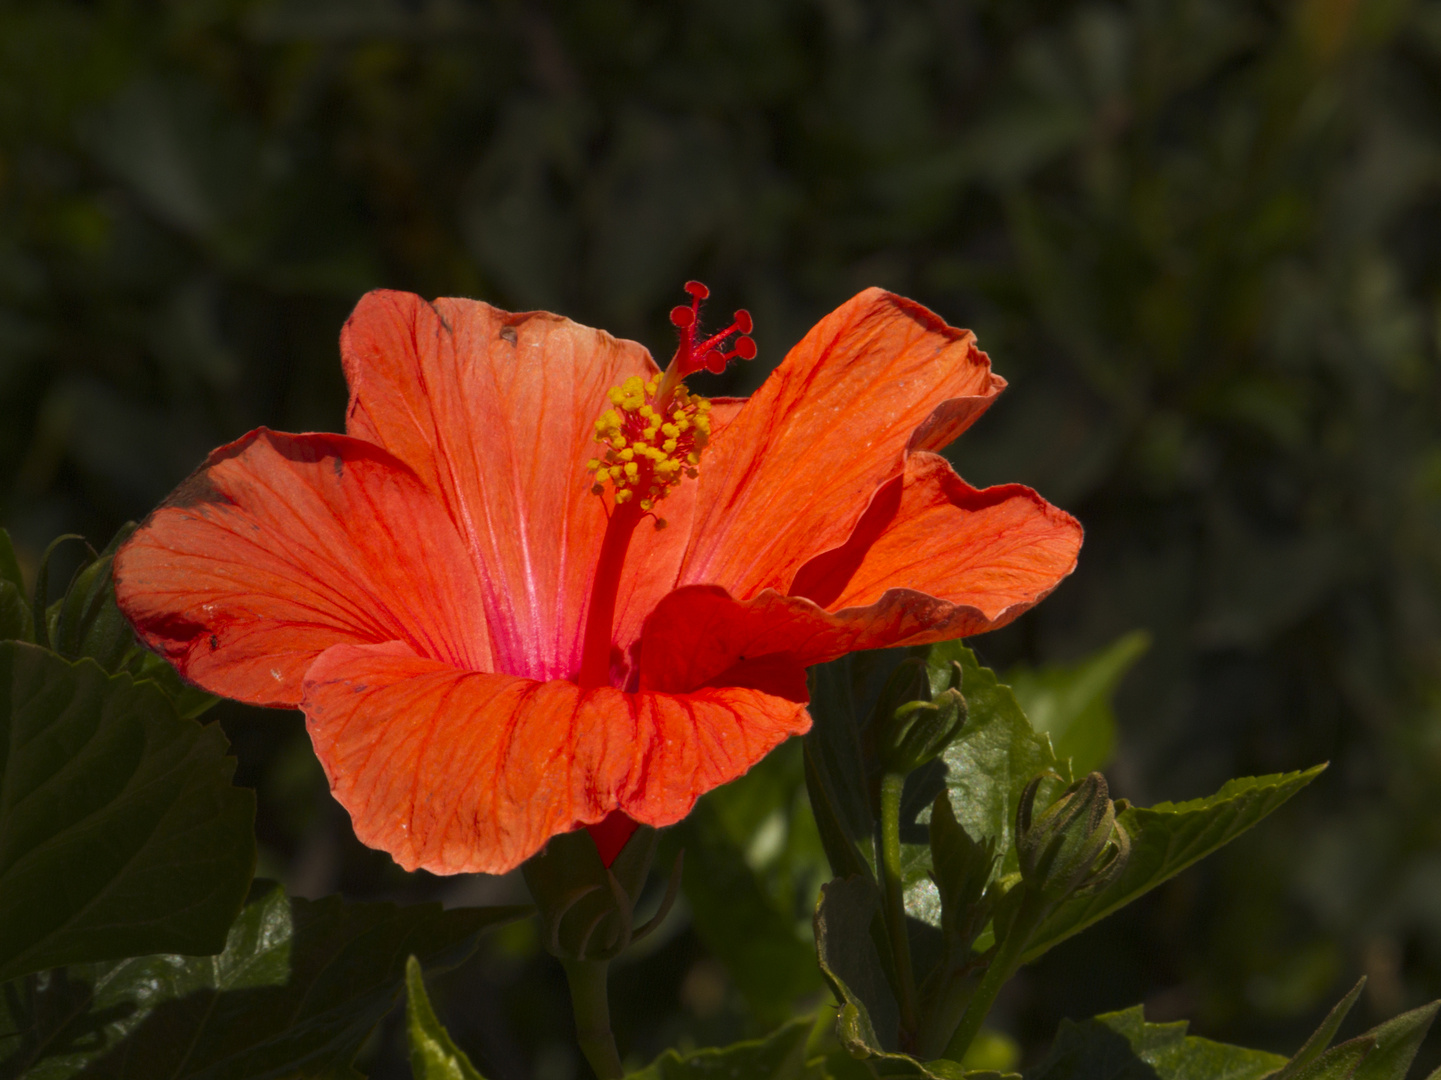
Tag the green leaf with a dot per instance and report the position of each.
(1166, 839)
(16, 622)
(433, 1056)
(869, 1019)
(848, 940)
(836, 775)
(995, 755)
(1321, 1038)
(1122, 1046)
(16, 619)
(120, 832)
(9, 564)
(1397, 1041)
(298, 988)
(88, 622)
(753, 868)
(1072, 702)
(779, 1056)
(1340, 1062)
(41, 608)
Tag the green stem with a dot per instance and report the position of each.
(592, 1016)
(1003, 965)
(892, 784)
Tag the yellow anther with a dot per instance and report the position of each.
(647, 451)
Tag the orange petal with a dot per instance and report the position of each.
(463, 771)
(932, 558)
(655, 555)
(281, 546)
(496, 413)
(791, 476)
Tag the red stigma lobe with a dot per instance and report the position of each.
(694, 354)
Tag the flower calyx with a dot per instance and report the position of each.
(1076, 845)
(586, 908)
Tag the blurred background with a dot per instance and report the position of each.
(1199, 237)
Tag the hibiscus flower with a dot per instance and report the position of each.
(539, 585)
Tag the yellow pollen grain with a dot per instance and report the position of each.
(646, 451)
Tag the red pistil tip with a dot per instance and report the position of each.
(708, 353)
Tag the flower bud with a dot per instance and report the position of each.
(910, 728)
(586, 908)
(1073, 846)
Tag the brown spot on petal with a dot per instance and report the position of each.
(196, 489)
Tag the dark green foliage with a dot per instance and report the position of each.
(1123, 1046)
(1200, 239)
(297, 990)
(781, 1056)
(753, 863)
(120, 833)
